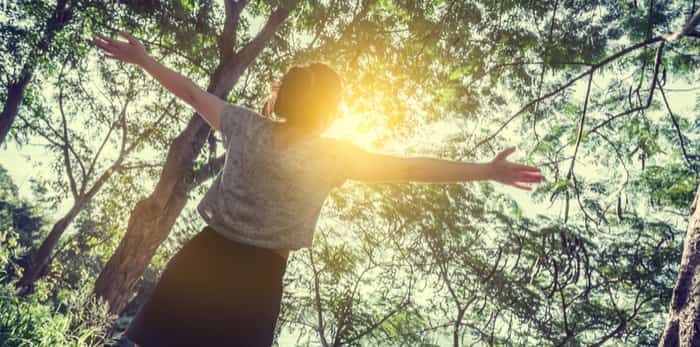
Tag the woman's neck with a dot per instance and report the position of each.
(284, 136)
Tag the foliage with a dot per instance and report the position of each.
(79, 320)
(589, 259)
(29, 322)
(20, 226)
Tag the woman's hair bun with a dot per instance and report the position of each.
(295, 91)
(326, 80)
(306, 93)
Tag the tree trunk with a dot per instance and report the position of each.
(37, 264)
(153, 217)
(15, 91)
(684, 314)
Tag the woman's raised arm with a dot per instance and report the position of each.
(207, 105)
(373, 167)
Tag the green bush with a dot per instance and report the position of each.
(36, 321)
(30, 322)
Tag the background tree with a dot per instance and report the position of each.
(20, 224)
(33, 38)
(85, 172)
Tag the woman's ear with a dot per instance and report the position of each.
(269, 106)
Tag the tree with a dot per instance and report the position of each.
(62, 14)
(31, 51)
(86, 173)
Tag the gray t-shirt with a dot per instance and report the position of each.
(266, 197)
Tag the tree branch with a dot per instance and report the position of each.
(581, 125)
(565, 86)
(66, 155)
(650, 96)
(136, 141)
(250, 51)
(687, 30)
(677, 127)
(227, 39)
(207, 171)
(544, 66)
(120, 119)
(319, 308)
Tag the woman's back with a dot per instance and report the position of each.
(265, 196)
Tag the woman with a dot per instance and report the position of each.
(224, 287)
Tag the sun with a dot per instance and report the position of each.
(352, 125)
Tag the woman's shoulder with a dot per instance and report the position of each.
(244, 114)
(241, 122)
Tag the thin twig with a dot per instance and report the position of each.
(677, 128)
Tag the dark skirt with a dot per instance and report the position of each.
(213, 292)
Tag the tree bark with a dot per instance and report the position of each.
(36, 264)
(684, 313)
(153, 217)
(15, 91)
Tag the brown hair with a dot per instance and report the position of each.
(308, 95)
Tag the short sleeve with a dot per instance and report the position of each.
(338, 157)
(239, 123)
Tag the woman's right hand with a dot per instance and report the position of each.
(131, 51)
(513, 174)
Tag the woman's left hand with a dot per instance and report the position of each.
(513, 174)
(131, 51)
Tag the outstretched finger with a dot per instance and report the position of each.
(524, 167)
(106, 40)
(110, 56)
(128, 37)
(532, 179)
(103, 45)
(521, 186)
(531, 174)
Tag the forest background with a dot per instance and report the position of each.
(102, 168)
